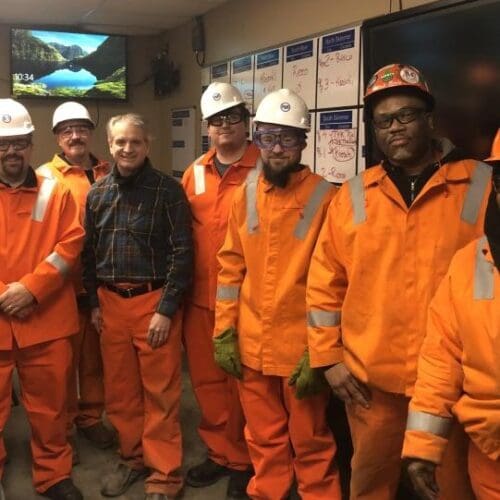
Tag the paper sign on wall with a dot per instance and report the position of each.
(242, 78)
(268, 73)
(336, 147)
(183, 144)
(299, 71)
(308, 153)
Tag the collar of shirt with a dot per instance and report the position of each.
(29, 182)
(135, 178)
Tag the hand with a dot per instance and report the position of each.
(25, 312)
(159, 328)
(347, 387)
(423, 477)
(227, 352)
(308, 381)
(15, 298)
(96, 319)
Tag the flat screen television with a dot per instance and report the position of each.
(47, 63)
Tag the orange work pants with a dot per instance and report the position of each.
(378, 434)
(86, 386)
(43, 371)
(484, 474)
(286, 435)
(142, 388)
(222, 421)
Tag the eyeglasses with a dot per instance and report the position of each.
(287, 139)
(232, 117)
(17, 144)
(69, 130)
(403, 116)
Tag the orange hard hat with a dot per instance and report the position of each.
(398, 76)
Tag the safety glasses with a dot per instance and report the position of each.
(69, 130)
(287, 139)
(403, 116)
(232, 117)
(17, 144)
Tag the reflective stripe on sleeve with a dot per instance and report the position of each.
(483, 274)
(42, 199)
(425, 422)
(199, 179)
(311, 208)
(475, 194)
(323, 318)
(357, 199)
(59, 263)
(227, 292)
(251, 198)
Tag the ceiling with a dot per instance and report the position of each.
(128, 17)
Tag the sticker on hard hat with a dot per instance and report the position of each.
(216, 96)
(285, 107)
(387, 76)
(6, 118)
(409, 75)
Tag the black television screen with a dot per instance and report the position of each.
(456, 44)
(46, 63)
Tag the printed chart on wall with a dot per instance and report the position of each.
(268, 73)
(220, 72)
(183, 143)
(299, 71)
(308, 153)
(242, 78)
(338, 69)
(336, 146)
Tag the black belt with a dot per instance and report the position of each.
(128, 293)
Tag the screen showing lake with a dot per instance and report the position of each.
(47, 63)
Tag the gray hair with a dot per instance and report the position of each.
(134, 119)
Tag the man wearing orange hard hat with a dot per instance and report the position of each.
(385, 246)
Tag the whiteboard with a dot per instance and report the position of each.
(338, 69)
(220, 72)
(336, 148)
(183, 143)
(299, 70)
(268, 73)
(308, 153)
(242, 78)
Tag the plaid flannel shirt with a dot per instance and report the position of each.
(138, 230)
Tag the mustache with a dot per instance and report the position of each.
(13, 157)
(77, 142)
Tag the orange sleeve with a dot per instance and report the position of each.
(326, 288)
(49, 275)
(439, 382)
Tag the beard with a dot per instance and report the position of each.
(280, 178)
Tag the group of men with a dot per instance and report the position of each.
(279, 286)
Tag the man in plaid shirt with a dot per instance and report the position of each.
(137, 265)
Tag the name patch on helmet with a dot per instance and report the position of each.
(216, 96)
(6, 118)
(409, 75)
(285, 107)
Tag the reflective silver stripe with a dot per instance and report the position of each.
(251, 198)
(357, 199)
(311, 208)
(425, 422)
(227, 292)
(59, 263)
(475, 194)
(483, 274)
(42, 200)
(45, 171)
(323, 318)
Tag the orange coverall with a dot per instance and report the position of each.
(210, 197)
(41, 240)
(85, 410)
(261, 291)
(375, 268)
(459, 369)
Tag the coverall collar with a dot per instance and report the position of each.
(30, 182)
(247, 160)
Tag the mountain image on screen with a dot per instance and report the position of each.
(81, 65)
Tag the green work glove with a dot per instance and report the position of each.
(307, 380)
(227, 352)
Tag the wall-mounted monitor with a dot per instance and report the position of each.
(47, 63)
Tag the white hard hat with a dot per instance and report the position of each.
(283, 107)
(218, 97)
(70, 110)
(14, 119)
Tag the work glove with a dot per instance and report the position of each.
(227, 352)
(423, 476)
(308, 381)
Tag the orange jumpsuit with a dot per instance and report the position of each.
(459, 369)
(41, 239)
(86, 380)
(374, 271)
(260, 291)
(210, 196)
